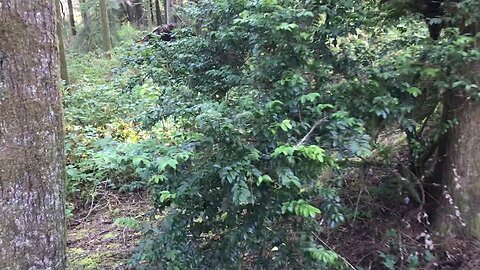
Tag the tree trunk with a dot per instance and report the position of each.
(137, 12)
(459, 211)
(61, 45)
(85, 19)
(72, 17)
(158, 13)
(168, 11)
(151, 19)
(32, 223)
(107, 44)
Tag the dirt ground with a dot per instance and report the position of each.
(96, 241)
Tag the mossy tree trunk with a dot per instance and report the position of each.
(32, 223)
(61, 45)
(107, 43)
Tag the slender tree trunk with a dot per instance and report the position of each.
(149, 14)
(32, 223)
(85, 19)
(158, 12)
(107, 44)
(168, 11)
(72, 17)
(61, 45)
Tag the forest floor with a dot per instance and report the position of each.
(96, 241)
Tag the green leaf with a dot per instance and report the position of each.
(128, 222)
(430, 72)
(287, 26)
(285, 149)
(163, 162)
(166, 195)
(156, 179)
(241, 194)
(414, 91)
(313, 152)
(301, 208)
(286, 125)
(264, 178)
(310, 97)
(139, 160)
(287, 178)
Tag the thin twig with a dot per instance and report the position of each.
(356, 205)
(317, 124)
(91, 208)
(341, 257)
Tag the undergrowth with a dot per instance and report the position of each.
(250, 131)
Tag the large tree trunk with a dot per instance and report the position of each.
(32, 224)
(61, 45)
(107, 44)
(459, 212)
(71, 17)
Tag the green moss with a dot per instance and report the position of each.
(78, 234)
(76, 251)
(89, 262)
(110, 235)
(114, 246)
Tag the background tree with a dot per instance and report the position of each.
(61, 44)
(137, 12)
(85, 16)
(107, 43)
(158, 12)
(32, 227)
(71, 16)
(168, 11)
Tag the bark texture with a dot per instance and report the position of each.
(61, 45)
(32, 224)
(459, 213)
(107, 44)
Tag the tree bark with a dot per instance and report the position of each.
(168, 11)
(61, 45)
(158, 13)
(32, 223)
(71, 17)
(459, 211)
(107, 44)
